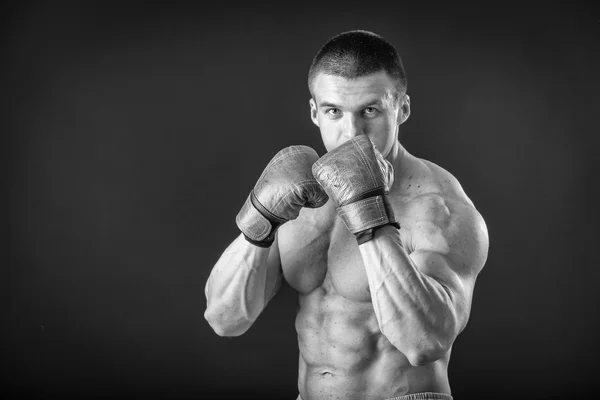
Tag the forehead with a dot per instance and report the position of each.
(333, 88)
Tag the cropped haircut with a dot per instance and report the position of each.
(355, 54)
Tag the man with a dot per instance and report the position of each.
(382, 247)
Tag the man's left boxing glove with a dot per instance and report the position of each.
(285, 186)
(357, 178)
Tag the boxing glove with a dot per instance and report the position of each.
(285, 186)
(357, 178)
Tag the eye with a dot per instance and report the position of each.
(371, 111)
(333, 112)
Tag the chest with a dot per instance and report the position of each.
(318, 252)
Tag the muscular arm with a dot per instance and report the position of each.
(240, 285)
(248, 274)
(422, 299)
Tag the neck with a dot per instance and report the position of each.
(396, 157)
(396, 154)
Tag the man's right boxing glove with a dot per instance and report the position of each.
(285, 186)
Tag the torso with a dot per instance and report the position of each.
(343, 354)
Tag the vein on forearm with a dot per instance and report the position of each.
(407, 303)
(237, 285)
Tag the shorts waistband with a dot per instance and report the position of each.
(423, 396)
(417, 396)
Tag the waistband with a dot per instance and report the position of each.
(417, 396)
(423, 396)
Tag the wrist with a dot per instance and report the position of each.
(369, 234)
(370, 212)
(265, 243)
(257, 224)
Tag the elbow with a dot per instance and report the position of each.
(419, 358)
(222, 327)
(419, 347)
(432, 344)
(426, 353)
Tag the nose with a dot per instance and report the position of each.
(353, 126)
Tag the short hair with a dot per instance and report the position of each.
(358, 53)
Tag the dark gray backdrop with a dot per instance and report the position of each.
(136, 132)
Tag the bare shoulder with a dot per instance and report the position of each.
(440, 217)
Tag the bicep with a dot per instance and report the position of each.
(441, 271)
(455, 258)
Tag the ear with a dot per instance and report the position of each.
(404, 111)
(313, 111)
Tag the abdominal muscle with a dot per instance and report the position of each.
(344, 355)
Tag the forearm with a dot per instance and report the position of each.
(414, 311)
(238, 288)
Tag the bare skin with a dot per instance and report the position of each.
(342, 349)
(377, 320)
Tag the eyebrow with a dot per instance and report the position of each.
(365, 105)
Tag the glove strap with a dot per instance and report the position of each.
(257, 223)
(363, 217)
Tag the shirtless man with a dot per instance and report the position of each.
(382, 247)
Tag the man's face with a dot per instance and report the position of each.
(343, 109)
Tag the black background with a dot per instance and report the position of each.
(136, 132)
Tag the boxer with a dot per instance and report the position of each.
(382, 247)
